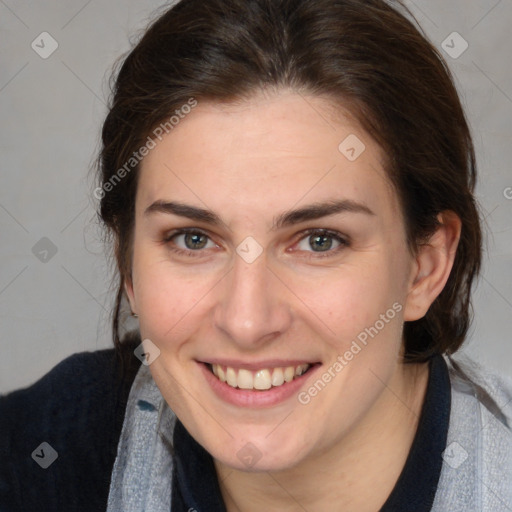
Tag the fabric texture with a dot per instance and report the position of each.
(477, 463)
(78, 409)
(142, 474)
(81, 407)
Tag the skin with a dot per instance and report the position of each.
(249, 162)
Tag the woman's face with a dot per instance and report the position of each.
(293, 255)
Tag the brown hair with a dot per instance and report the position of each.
(362, 53)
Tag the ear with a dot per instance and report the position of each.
(432, 266)
(128, 288)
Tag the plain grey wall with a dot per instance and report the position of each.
(51, 109)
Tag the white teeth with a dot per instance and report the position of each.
(263, 379)
(245, 379)
(277, 377)
(231, 377)
(289, 372)
(301, 369)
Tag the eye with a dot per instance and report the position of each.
(187, 241)
(322, 241)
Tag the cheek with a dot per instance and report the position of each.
(353, 298)
(361, 312)
(169, 303)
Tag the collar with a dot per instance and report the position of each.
(195, 485)
(417, 485)
(140, 479)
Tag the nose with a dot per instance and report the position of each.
(252, 309)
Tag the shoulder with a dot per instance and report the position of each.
(477, 462)
(76, 410)
(492, 390)
(79, 387)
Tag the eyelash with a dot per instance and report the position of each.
(341, 239)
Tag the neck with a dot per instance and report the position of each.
(371, 456)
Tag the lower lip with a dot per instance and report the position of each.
(255, 398)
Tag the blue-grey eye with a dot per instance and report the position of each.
(193, 241)
(319, 242)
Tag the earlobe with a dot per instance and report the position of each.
(434, 262)
(128, 289)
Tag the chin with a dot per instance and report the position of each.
(256, 451)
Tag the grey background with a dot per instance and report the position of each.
(51, 112)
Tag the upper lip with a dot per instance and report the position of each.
(257, 365)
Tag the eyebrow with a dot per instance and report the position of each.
(183, 210)
(287, 218)
(319, 210)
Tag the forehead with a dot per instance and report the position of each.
(265, 152)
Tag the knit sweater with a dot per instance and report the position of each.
(78, 410)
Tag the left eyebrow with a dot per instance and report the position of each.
(319, 210)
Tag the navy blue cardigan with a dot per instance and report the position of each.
(78, 409)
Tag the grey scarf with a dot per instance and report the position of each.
(142, 473)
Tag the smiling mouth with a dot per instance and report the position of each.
(259, 380)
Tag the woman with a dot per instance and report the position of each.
(289, 189)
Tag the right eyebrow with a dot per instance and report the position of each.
(183, 210)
